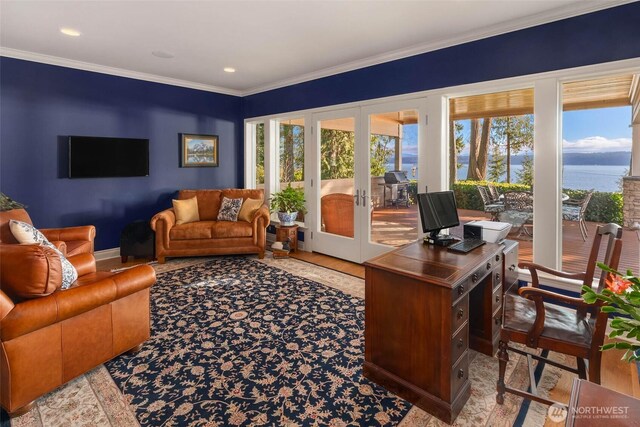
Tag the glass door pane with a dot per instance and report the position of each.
(393, 175)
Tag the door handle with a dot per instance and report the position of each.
(357, 196)
(364, 198)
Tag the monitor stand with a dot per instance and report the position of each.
(437, 239)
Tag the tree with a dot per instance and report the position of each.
(336, 154)
(514, 134)
(478, 149)
(497, 166)
(525, 176)
(381, 153)
(260, 153)
(456, 145)
(291, 153)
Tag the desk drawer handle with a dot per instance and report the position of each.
(498, 257)
(460, 289)
(498, 320)
(460, 313)
(474, 277)
(497, 277)
(488, 266)
(460, 343)
(461, 373)
(512, 267)
(497, 298)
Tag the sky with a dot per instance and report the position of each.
(584, 131)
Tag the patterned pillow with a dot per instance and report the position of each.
(27, 233)
(229, 209)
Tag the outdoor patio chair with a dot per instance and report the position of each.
(490, 207)
(574, 210)
(518, 210)
(494, 193)
(337, 214)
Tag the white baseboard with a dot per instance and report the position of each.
(107, 254)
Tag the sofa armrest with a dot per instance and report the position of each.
(6, 305)
(263, 213)
(29, 270)
(167, 217)
(34, 314)
(67, 234)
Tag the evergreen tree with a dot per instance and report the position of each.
(497, 166)
(514, 134)
(525, 176)
(260, 153)
(336, 154)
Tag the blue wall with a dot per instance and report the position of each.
(42, 104)
(603, 36)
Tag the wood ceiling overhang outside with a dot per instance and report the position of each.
(579, 95)
(604, 92)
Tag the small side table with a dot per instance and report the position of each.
(291, 232)
(138, 240)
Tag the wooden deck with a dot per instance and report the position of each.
(398, 226)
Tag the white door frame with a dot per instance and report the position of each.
(339, 246)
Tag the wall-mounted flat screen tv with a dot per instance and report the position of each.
(96, 157)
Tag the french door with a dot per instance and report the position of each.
(345, 196)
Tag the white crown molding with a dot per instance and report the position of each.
(96, 68)
(565, 12)
(568, 11)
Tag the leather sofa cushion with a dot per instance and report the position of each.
(193, 230)
(227, 229)
(208, 202)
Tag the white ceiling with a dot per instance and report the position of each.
(270, 43)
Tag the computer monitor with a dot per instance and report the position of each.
(438, 210)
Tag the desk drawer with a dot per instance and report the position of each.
(459, 313)
(459, 375)
(496, 322)
(496, 299)
(459, 343)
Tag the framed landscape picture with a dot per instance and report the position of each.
(199, 151)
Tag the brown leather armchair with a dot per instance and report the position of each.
(49, 336)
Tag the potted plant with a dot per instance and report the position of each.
(622, 296)
(288, 203)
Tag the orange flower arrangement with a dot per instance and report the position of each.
(621, 296)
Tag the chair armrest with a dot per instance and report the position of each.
(29, 270)
(6, 305)
(60, 245)
(34, 314)
(85, 232)
(531, 293)
(534, 268)
(83, 263)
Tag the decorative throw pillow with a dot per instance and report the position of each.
(186, 210)
(27, 233)
(229, 209)
(248, 209)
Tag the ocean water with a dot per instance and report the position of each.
(575, 177)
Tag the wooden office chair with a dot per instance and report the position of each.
(577, 330)
(337, 214)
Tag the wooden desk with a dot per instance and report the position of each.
(594, 405)
(424, 307)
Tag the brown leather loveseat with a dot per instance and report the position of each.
(49, 335)
(209, 236)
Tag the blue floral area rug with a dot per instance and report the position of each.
(237, 342)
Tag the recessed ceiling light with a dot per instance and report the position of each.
(162, 54)
(70, 32)
(229, 70)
